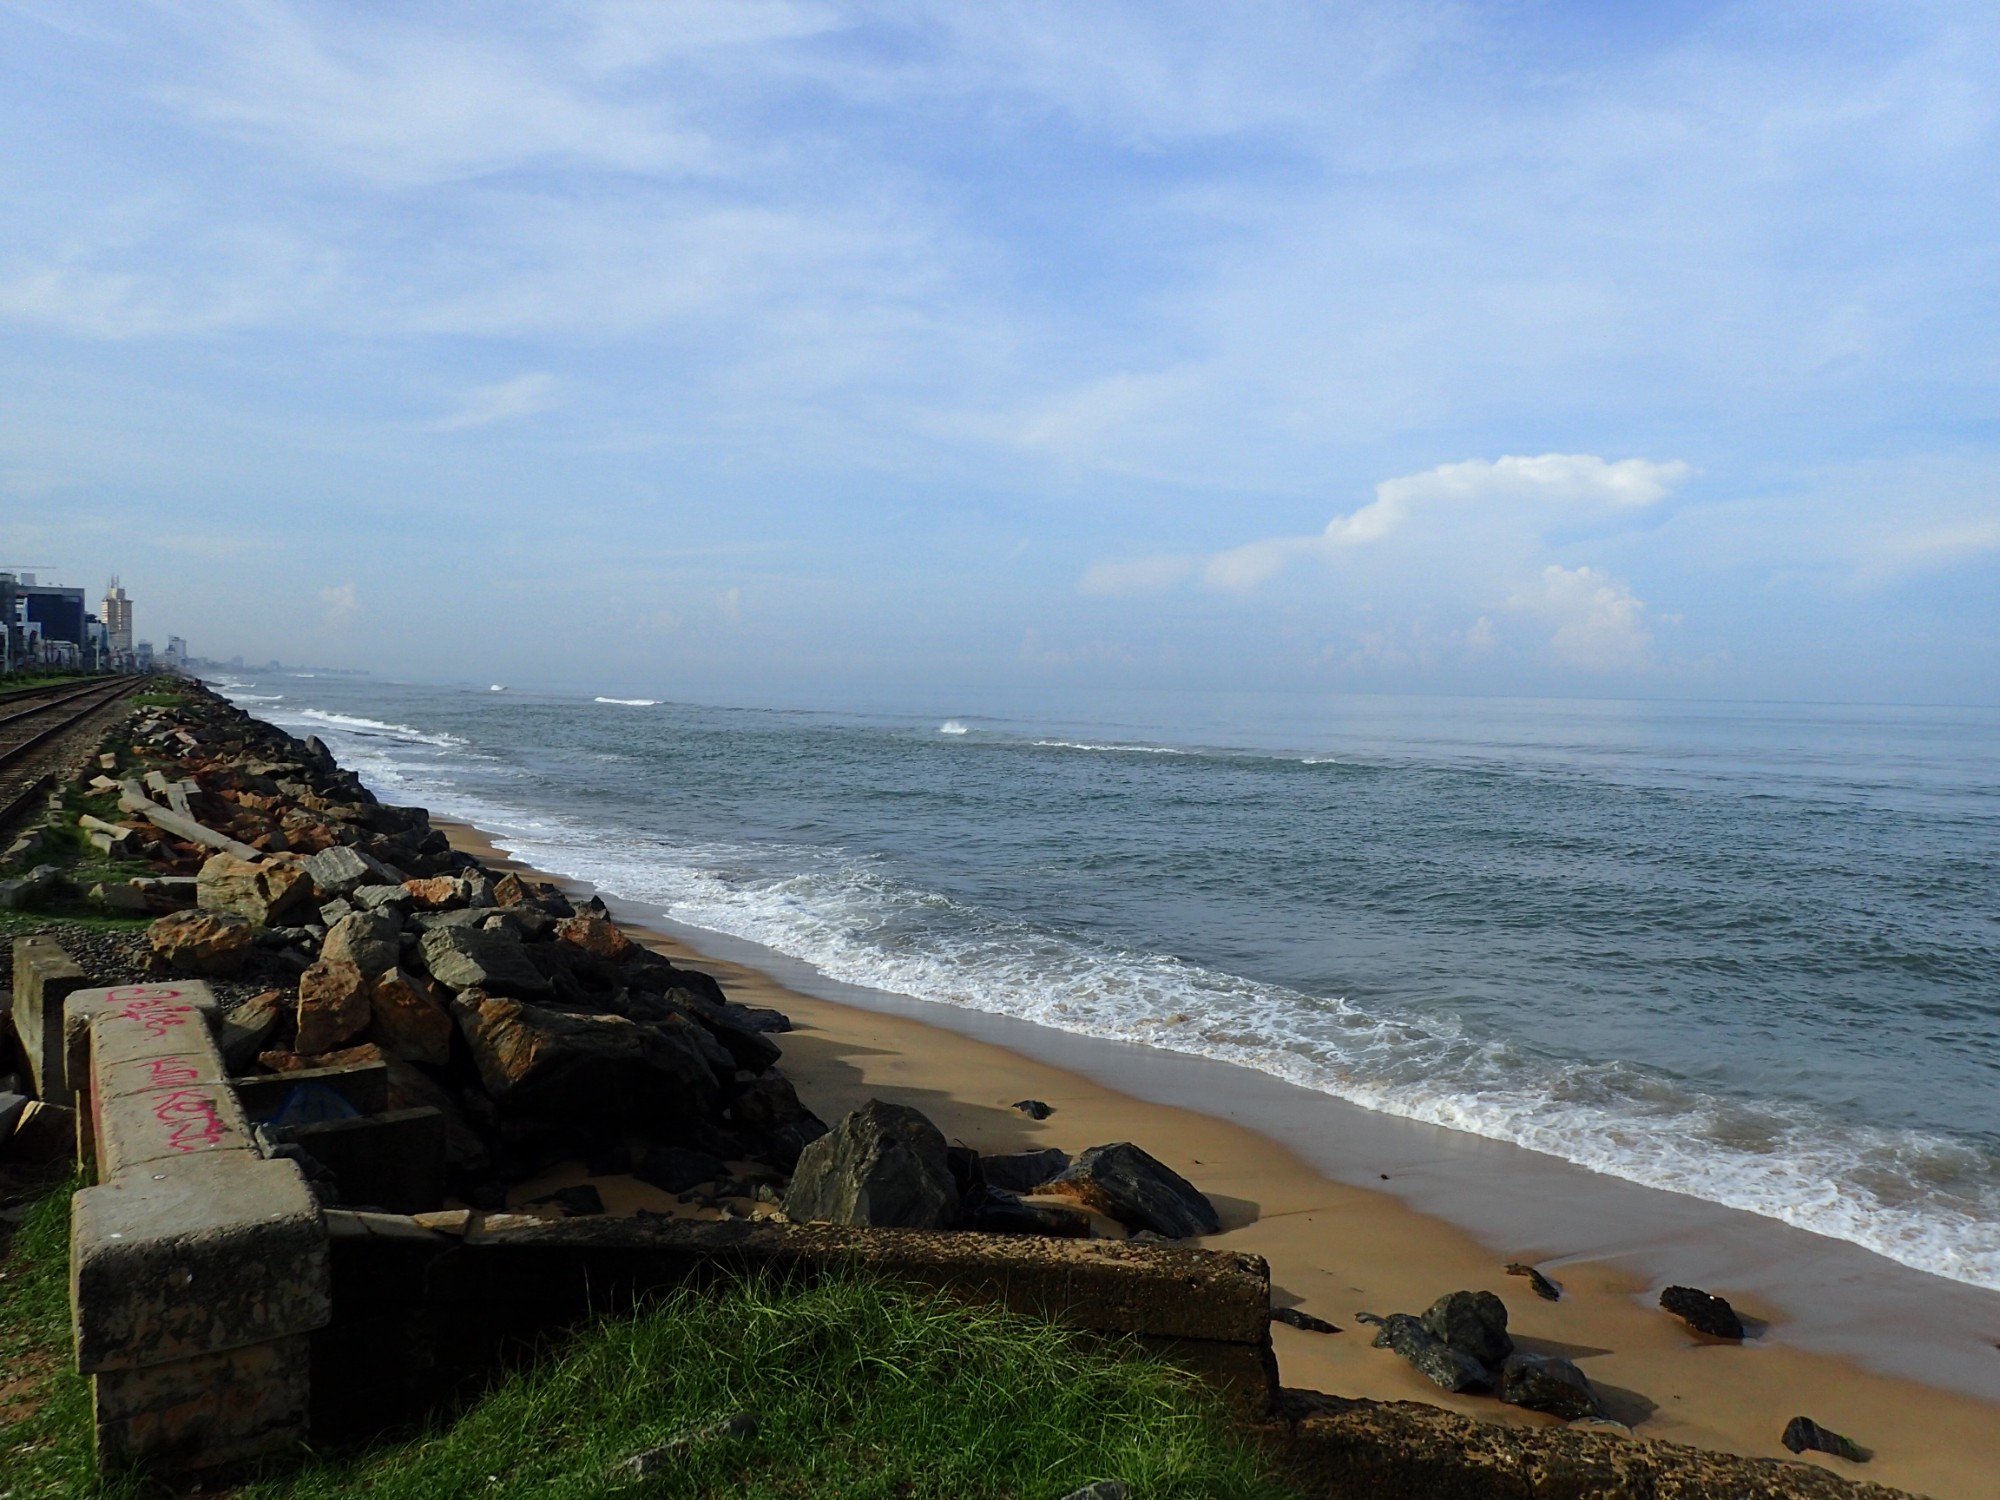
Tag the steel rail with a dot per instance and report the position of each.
(15, 753)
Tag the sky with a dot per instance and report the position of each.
(768, 348)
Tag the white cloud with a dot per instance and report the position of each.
(1599, 624)
(522, 396)
(341, 604)
(1539, 490)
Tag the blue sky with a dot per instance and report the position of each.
(799, 349)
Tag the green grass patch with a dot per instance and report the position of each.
(863, 1390)
(45, 1434)
(159, 700)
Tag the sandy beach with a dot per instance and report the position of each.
(1336, 1248)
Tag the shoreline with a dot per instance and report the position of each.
(1900, 1372)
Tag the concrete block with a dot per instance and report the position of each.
(216, 1251)
(393, 1161)
(363, 1085)
(44, 977)
(142, 1017)
(199, 1413)
(135, 1130)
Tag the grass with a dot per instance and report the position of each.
(863, 1390)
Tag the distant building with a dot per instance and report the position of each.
(57, 610)
(118, 621)
(10, 625)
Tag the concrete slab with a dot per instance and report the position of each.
(363, 1085)
(44, 977)
(393, 1161)
(216, 1251)
(142, 1017)
(214, 1409)
(136, 1130)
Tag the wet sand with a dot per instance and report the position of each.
(1904, 1363)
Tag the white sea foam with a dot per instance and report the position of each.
(633, 702)
(354, 723)
(242, 697)
(1114, 748)
(953, 726)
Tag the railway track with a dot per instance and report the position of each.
(35, 736)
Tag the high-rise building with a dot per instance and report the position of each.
(118, 619)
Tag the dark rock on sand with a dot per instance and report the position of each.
(1542, 1382)
(884, 1165)
(1544, 1288)
(1702, 1312)
(1474, 1323)
(994, 1211)
(1024, 1171)
(1034, 1109)
(1292, 1317)
(783, 1146)
(1138, 1190)
(1433, 1357)
(1802, 1433)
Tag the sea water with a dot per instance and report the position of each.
(1745, 952)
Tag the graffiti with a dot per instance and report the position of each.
(165, 1072)
(157, 1009)
(192, 1121)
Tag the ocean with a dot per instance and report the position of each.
(1748, 952)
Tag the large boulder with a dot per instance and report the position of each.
(370, 940)
(214, 943)
(408, 1019)
(247, 1029)
(468, 958)
(339, 870)
(1473, 1323)
(1453, 1369)
(1702, 1312)
(333, 1006)
(598, 936)
(564, 1063)
(884, 1166)
(1023, 1171)
(1542, 1382)
(263, 891)
(1138, 1190)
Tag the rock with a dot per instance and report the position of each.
(1474, 1323)
(1443, 1365)
(994, 1211)
(787, 1143)
(383, 898)
(333, 1006)
(1544, 1288)
(121, 898)
(1802, 1433)
(246, 1030)
(884, 1165)
(739, 1428)
(748, 1048)
(675, 1169)
(1703, 1313)
(462, 958)
(597, 936)
(1034, 1109)
(768, 1103)
(437, 893)
(1542, 1382)
(370, 940)
(1292, 1317)
(30, 890)
(1023, 1171)
(591, 1066)
(263, 892)
(1124, 1183)
(338, 870)
(408, 1019)
(579, 1202)
(214, 943)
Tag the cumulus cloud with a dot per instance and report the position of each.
(1539, 490)
(505, 401)
(1600, 625)
(1119, 577)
